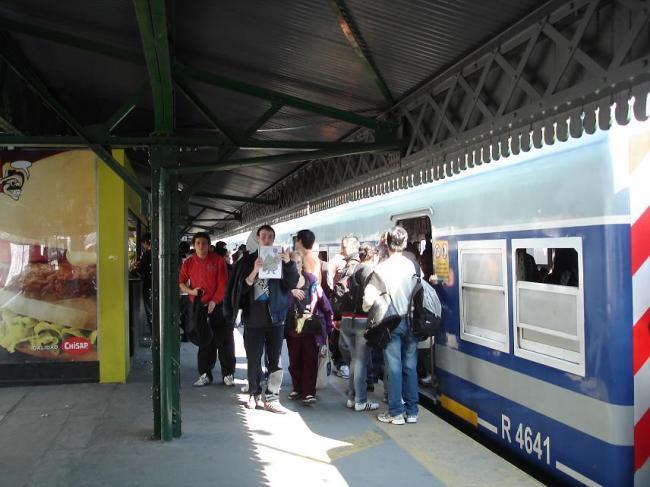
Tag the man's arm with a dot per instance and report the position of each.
(222, 282)
(183, 279)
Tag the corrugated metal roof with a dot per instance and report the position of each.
(293, 47)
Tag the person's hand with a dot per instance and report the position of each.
(337, 324)
(259, 263)
(211, 306)
(286, 255)
(195, 291)
(299, 294)
(323, 351)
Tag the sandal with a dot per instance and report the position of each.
(293, 395)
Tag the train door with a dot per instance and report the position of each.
(420, 247)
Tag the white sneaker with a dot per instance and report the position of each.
(202, 381)
(344, 372)
(244, 388)
(366, 406)
(387, 418)
(228, 380)
(349, 404)
(411, 418)
(275, 407)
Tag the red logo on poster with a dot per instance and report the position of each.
(76, 345)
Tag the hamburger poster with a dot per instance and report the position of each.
(48, 257)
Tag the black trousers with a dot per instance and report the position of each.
(222, 344)
(256, 341)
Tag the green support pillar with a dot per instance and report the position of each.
(165, 287)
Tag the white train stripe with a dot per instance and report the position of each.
(576, 475)
(641, 392)
(641, 291)
(442, 232)
(639, 194)
(488, 426)
(642, 476)
(611, 423)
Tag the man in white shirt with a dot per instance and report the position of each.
(400, 355)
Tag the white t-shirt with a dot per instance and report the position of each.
(396, 273)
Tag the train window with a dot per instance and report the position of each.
(548, 302)
(484, 293)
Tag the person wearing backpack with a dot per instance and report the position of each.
(400, 354)
(340, 300)
(353, 325)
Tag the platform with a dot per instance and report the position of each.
(98, 435)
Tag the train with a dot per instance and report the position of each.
(545, 355)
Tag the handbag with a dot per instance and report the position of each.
(306, 321)
(383, 317)
(308, 324)
(383, 313)
(324, 368)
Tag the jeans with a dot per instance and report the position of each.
(256, 341)
(401, 360)
(352, 335)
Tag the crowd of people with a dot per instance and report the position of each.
(320, 308)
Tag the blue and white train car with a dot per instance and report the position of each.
(550, 370)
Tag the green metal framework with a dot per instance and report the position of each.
(166, 75)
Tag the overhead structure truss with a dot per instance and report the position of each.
(567, 69)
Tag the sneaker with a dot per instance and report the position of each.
(426, 381)
(344, 372)
(228, 380)
(275, 407)
(293, 395)
(251, 403)
(366, 406)
(411, 418)
(244, 388)
(387, 418)
(202, 381)
(309, 399)
(349, 404)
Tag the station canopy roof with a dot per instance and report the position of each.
(250, 78)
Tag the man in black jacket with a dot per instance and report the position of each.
(264, 304)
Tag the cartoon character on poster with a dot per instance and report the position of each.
(14, 175)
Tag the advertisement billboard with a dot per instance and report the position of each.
(48, 259)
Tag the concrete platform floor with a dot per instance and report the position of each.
(98, 435)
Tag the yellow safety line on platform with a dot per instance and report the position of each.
(358, 443)
(459, 410)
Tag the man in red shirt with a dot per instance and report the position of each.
(207, 272)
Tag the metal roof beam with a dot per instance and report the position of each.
(361, 49)
(230, 197)
(126, 142)
(152, 21)
(33, 30)
(207, 207)
(266, 116)
(234, 137)
(11, 54)
(196, 74)
(292, 101)
(128, 106)
(284, 158)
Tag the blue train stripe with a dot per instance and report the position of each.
(540, 439)
(610, 423)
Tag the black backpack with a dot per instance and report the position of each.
(342, 299)
(426, 310)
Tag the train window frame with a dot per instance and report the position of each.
(470, 333)
(536, 351)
